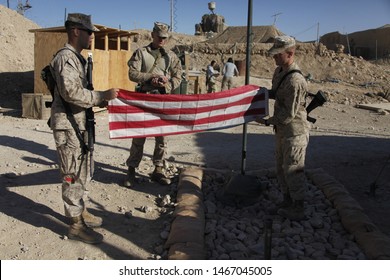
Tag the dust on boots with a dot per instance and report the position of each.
(130, 178)
(159, 176)
(78, 230)
(90, 220)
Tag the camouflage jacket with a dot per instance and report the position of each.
(142, 69)
(69, 72)
(290, 102)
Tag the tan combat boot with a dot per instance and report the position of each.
(90, 220)
(294, 212)
(130, 178)
(79, 231)
(159, 176)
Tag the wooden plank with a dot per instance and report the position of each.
(375, 107)
(33, 106)
(110, 65)
(100, 70)
(119, 70)
(45, 47)
(106, 42)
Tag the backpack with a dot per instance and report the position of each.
(48, 78)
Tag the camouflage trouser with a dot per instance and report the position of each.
(227, 83)
(74, 170)
(137, 151)
(290, 164)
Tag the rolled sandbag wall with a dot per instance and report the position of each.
(186, 237)
(374, 243)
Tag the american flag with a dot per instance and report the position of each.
(134, 115)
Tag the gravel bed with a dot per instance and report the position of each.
(236, 230)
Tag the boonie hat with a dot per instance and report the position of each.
(82, 20)
(161, 29)
(281, 44)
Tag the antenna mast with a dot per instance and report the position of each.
(275, 16)
(22, 8)
(173, 15)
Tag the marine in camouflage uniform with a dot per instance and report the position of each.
(157, 71)
(291, 128)
(68, 68)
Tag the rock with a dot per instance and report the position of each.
(210, 207)
(316, 222)
(129, 214)
(232, 230)
(164, 234)
(146, 209)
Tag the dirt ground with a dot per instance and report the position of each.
(349, 143)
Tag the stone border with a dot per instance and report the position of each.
(186, 238)
(374, 243)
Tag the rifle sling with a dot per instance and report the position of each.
(284, 77)
(74, 124)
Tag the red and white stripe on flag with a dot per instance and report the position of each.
(134, 115)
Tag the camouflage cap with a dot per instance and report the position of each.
(82, 20)
(161, 29)
(281, 44)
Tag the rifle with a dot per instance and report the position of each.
(90, 117)
(318, 100)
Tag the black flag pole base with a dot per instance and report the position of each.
(241, 190)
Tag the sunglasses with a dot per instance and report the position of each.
(86, 30)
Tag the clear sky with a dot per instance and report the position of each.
(299, 18)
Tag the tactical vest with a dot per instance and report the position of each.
(157, 65)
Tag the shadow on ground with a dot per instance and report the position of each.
(353, 161)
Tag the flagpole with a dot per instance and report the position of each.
(247, 73)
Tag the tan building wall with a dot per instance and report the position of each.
(370, 44)
(111, 49)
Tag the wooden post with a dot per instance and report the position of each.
(93, 43)
(106, 42)
(187, 62)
